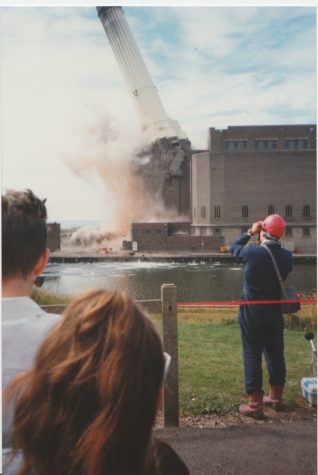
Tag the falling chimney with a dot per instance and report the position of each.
(141, 88)
(166, 175)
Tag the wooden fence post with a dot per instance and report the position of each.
(170, 345)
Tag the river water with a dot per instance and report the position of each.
(196, 282)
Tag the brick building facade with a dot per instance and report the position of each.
(174, 236)
(249, 172)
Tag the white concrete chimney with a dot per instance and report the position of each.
(142, 90)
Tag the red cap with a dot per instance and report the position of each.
(275, 225)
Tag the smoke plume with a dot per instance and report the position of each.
(110, 158)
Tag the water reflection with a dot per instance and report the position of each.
(142, 280)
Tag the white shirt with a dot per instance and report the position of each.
(24, 326)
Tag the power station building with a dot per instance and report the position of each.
(249, 172)
(246, 173)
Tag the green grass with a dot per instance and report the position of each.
(42, 297)
(211, 377)
(211, 368)
(210, 356)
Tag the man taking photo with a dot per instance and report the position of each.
(262, 325)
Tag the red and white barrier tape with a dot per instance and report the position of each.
(226, 303)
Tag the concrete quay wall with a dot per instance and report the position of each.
(181, 258)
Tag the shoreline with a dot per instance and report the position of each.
(61, 257)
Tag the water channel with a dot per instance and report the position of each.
(196, 282)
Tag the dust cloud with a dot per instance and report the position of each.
(111, 159)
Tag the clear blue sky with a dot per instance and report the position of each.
(65, 105)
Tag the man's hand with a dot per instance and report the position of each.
(256, 228)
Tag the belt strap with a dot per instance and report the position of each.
(277, 270)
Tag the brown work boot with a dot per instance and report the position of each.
(274, 399)
(254, 407)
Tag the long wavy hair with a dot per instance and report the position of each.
(89, 403)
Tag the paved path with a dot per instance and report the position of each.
(287, 448)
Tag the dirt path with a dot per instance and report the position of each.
(282, 444)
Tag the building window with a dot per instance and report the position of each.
(148, 231)
(203, 212)
(271, 209)
(244, 211)
(265, 145)
(217, 211)
(294, 144)
(306, 232)
(288, 211)
(159, 231)
(289, 231)
(235, 145)
(217, 232)
(306, 211)
(287, 144)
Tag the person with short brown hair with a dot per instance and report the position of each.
(24, 257)
(24, 234)
(88, 404)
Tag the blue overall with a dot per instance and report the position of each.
(262, 326)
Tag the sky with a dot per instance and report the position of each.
(64, 103)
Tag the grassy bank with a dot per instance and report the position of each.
(305, 319)
(210, 356)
